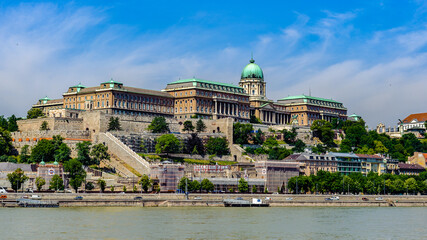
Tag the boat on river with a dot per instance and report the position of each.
(256, 202)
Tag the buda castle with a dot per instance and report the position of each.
(190, 98)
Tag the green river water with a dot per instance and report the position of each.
(214, 223)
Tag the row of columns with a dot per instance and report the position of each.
(275, 118)
(225, 108)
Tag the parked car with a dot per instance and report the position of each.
(379, 199)
(289, 199)
(35, 197)
(138, 198)
(335, 198)
(328, 199)
(365, 199)
(267, 198)
(78, 198)
(3, 197)
(2, 190)
(197, 198)
(275, 193)
(239, 198)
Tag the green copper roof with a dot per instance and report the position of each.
(196, 80)
(45, 99)
(79, 86)
(309, 97)
(111, 81)
(252, 70)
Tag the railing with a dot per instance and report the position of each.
(128, 150)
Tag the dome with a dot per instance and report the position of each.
(252, 70)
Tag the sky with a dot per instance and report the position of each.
(370, 55)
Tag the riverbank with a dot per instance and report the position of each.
(216, 200)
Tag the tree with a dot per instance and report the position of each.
(34, 113)
(195, 186)
(323, 130)
(83, 150)
(76, 173)
(188, 126)
(411, 185)
(99, 152)
(158, 125)
(12, 124)
(278, 153)
(299, 146)
(241, 132)
(114, 124)
(3, 122)
(254, 119)
(89, 186)
(243, 185)
(44, 126)
(217, 145)
(270, 143)
(183, 182)
(57, 141)
(43, 151)
(40, 182)
(194, 145)
(56, 183)
(168, 143)
(258, 139)
(5, 142)
(380, 148)
(290, 136)
(25, 156)
(102, 184)
(200, 126)
(207, 185)
(253, 189)
(63, 153)
(145, 182)
(16, 179)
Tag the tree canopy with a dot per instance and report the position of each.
(242, 132)
(145, 182)
(16, 179)
(200, 126)
(114, 124)
(34, 113)
(158, 125)
(188, 126)
(5, 142)
(168, 143)
(76, 173)
(83, 153)
(217, 145)
(243, 185)
(323, 130)
(99, 152)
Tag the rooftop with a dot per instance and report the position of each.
(197, 80)
(309, 97)
(410, 166)
(420, 117)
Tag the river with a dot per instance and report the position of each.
(214, 223)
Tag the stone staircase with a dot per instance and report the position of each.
(132, 164)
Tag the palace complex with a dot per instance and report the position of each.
(189, 98)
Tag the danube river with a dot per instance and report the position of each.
(214, 223)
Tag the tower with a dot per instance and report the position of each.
(252, 81)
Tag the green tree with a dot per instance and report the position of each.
(99, 152)
(270, 143)
(217, 146)
(114, 124)
(241, 132)
(145, 182)
(299, 146)
(3, 122)
(188, 126)
(323, 130)
(200, 126)
(253, 189)
(102, 184)
(182, 183)
(411, 185)
(5, 142)
(289, 136)
(195, 186)
(44, 126)
(83, 151)
(43, 151)
(243, 185)
(207, 185)
(89, 186)
(76, 173)
(168, 143)
(16, 179)
(398, 186)
(25, 156)
(194, 145)
(40, 182)
(258, 139)
(278, 153)
(158, 125)
(254, 119)
(63, 153)
(57, 140)
(34, 113)
(12, 124)
(56, 183)
(380, 148)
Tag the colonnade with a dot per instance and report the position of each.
(275, 118)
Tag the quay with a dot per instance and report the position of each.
(217, 200)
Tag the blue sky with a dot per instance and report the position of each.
(370, 55)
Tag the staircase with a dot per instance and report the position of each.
(131, 161)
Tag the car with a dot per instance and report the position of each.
(289, 199)
(35, 197)
(137, 198)
(379, 199)
(197, 198)
(78, 198)
(239, 198)
(3, 197)
(2, 190)
(335, 198)
(365, 199)
(267, 198)
(275, 193)
(328, 199)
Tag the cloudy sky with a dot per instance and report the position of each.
(370, 55)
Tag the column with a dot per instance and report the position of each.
(216, 107)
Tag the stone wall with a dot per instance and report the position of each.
(52, 123)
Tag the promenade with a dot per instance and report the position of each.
(215, 200)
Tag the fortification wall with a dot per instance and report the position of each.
(67, 124)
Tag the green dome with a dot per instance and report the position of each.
(252, 70)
